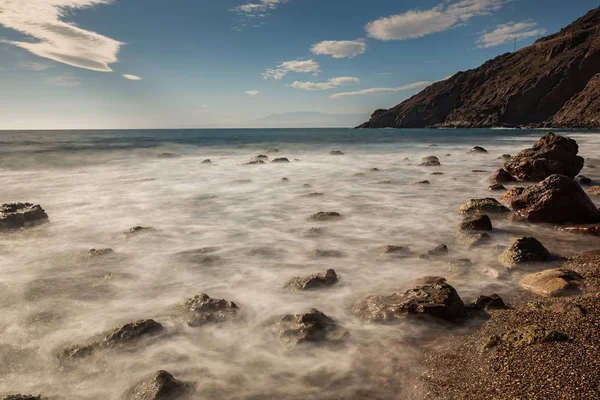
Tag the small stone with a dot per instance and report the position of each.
(285, 180)
(311, 327)
(493, 302)
(436, 252)
(437, 173)
(479, 150)
(207, 161)
(137, 230)
(423, 183)
(255, 162)
(21, 397)
(374, 170)
(336, 153)
(160, 386)
(496, 187)
(504, 157)
(326, 254)
(483, 206)
(93, 253)
(281, 160)
(325, 216)
(306, 185)
(396, 251)
(167, 155)
(316, 281)
(430, 161)
(270, 151)
(203, 309)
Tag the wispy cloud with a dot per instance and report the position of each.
(508, 32)
(340, 48)
(254, 11)
(382, 90)
(283, 68)
(330, 84)
(252, 92)
(56, 39)
(132, 77)
(418, 23)
(63, 80)
(33, 66)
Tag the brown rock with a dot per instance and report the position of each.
(311, 327)
(478, 149)
(501, 176)
(511, 194)
(493, 302)
(483, 206)
(325, 216)
(160, 386)
(203, 309)
(316, 281)
(436, 252)
(395, 251)
(496, 187)
(476, 223)
(21, 215)
(280, 160)
(207, 161)
(553, 282)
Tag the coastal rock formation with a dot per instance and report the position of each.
(160, 386)
(556, 200)
(476, 223)
(482, 206)
(21, 215)
(203, 309)
(310, 327)
(553, 282)
(552, 154)
(328, 278)
(511, 194)
(431, 296)
(553, 82)
(523, 251)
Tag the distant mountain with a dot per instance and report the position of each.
(309, 120)
(553, 83)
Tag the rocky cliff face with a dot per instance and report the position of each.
(553, 83)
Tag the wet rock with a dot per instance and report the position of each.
(336, 153)
(160, 386)
(557, 199)
(21, 397)
(478, 149)
(476, 239)
(524, 250)
(423, 183)
(136, 230)
(433, 145)
(476, 223)
(526, 336)
(261, 157)
(583, 180)
(374, 169)
(312, 327)
(21, 215)
(271, 151)
(552, 154)
(316, 281)
(280, 160)
(167, 155)
(326, 254)
(203, 309)
(306, 185)
(285, 180)
(437, 173)
(436, 252)
(207, 161)
(553, 282)
(501, 176)
(384, 182)
(483, 206)
(395, 251)
(496, 187)
(504, 157)
(479, 171)
(255, 162)
(511, 194)
(315, 194)
(93, 253)
(325, 216)
(493, 302)
(431, 296)
(431, 161)
(593, 191)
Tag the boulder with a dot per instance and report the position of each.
(583, 180)
(524, 250)
(558, 200)
(553, 282)
(496, 187)
(483, 206)
(501, 176)
(476, 223)
(316, 281)
(202, 309)
(526, 336)
(437, 252)
(493, 302)
(336, 153)
(160, 386)
(511, 194)
(431, 296)
(431, 161)
(21, 215)
(325, 216)
(552, 154)
(310, 327)
(478, 149)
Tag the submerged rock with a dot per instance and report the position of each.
(207, 161)
(504, 157)
(423, 183)
(336, 153)
(431, 296)
(325, 216)
(280, 160)
(202, 309)
(430, 161)
(93, 253)
(21, 215)
(553, 282)
(511, 194)
(558, 199)
(483, 206)
(478, 149)
(21, 397)
(285, 180)
(524, 250)
(255, 162)
(395, 251)
(552, 154)
(501, 176)
(328, 278)
(160, 386)
(496, 187)
(311, 327)
(168, 155)
(525, 336)
(326, 254)
(476, 223)
(137, 230)
(271, 151)
(261, 157)
(436, 252)
(475, 239)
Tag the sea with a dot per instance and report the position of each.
(252, 228)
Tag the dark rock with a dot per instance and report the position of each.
(501, 176)
(558, 199)
(552, 154)
(479, 171)
(431, 161)
(384, 182)
(202, 309)
(496, 187)
(281, 160)
(315, 194)
(261, 157)
(311, 327)
(336, 153)
(526, 336)
(436, 252)
(476, 223)
(326, 254)
(423, 183)
(431, 296)
(328, 278)
(306, 185)
(475, 239)
(207, 161)
(553, 282)
(437, 173)
(285, 180)
(504, 157)
(493, 302)
(396, 251)
(478, 149)
(160, 386)
(255, 162)
(483, 206)
(242, 181)
(93, 253)
(21, 215)
(325, 216)
(583, 180)
(433, 145)
(524, 251)
(374, 170)
(21, 397)
(137, 230)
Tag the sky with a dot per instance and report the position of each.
(111, 64)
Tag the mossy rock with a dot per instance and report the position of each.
(526, 336)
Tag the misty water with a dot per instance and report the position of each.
(96, 185)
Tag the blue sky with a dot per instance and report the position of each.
(227, 63)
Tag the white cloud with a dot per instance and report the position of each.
(132, 77)
(382, 90)
(33, 66)
(252, 92)
(283, 68)
(340, 48)
(258, 9)
(330, 84)
(509, 32)
(418, 23)
(64, 80)
(56, 39)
